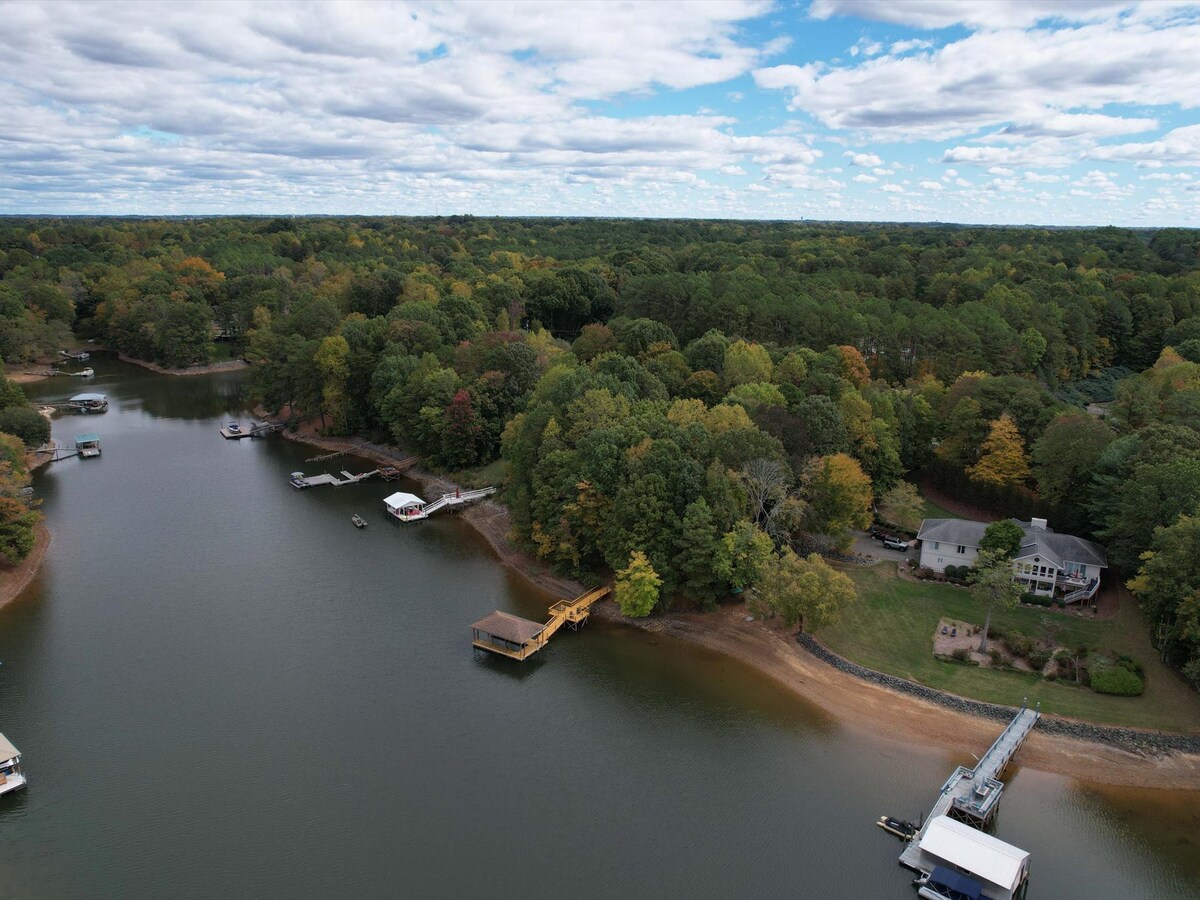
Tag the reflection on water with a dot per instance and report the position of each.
(223, 688)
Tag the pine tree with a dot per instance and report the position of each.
(1003, 462)
(697, 545)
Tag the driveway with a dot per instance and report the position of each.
(865, 545)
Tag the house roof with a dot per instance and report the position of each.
(980, 854)
(400, 500)
(1045, 542)
(509, 628)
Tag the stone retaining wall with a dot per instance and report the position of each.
(1145, 742)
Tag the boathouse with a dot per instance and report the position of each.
(88, 402)
(948, 846)
(507, 635)
(405, 506)
(88, 445)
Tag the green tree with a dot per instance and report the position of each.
(742, 554)
(637, 587)
(1168, 585)
(992, 584)
(1065, 456)
(804, 591)
(697, 545)
(746, 363)
(1004, 537)
(902, 506)
(839, 497)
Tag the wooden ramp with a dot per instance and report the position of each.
(517, 638)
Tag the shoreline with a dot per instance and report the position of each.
(230, 365)
(14, 581)
(867, 708)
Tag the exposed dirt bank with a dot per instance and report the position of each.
(16, 579)
(230, 365)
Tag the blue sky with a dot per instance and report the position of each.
(992, 111)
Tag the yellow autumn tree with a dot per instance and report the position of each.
(1003, 462)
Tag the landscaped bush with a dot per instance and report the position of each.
(1116, 679)
(1128, 662)
(962, 657)
(1035, 599)
(1038, 659)
(1020, 644)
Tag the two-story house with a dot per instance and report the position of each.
(1050, 564)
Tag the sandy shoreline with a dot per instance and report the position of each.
(231, 365)
(13, 581)
(859, 705)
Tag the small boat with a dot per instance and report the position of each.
(83, 373)
(11, 776)
(298, 481)
(898, 827)
(359, 521)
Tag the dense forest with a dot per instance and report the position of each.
(689, 403)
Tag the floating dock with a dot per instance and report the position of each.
(260, 430)
(508, 635)
(300, 481)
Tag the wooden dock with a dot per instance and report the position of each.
(260, 430)
(517, 638)
(301, 481)
(973, 795)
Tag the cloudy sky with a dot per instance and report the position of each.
(1056, 112)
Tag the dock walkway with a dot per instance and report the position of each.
(517, 638)
(972, 795)
(302, 481)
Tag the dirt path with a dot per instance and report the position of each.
(14, 580)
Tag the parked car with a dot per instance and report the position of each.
(895, 543)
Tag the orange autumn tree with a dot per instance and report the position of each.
(1003, 462)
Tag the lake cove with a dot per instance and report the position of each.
(221, 687)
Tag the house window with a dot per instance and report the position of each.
(937, 545)
(962, 551)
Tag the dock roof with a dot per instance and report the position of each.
(7, 750)
(400, 500)
(87, 438)
(508, 627)
(87, 397)
(980, 854)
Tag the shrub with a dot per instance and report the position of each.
(1058, 604)
(1116, 679)
(1128, 662)
(1052, 676)
(1020, 644)
(1038, 659)
(1035, 599)
(962, 654)
(997, 657)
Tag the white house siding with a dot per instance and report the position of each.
(937, 558)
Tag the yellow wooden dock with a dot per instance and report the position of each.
(517, 638)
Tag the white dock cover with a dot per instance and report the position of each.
(987, 858)
(401, 500)
(7, 750)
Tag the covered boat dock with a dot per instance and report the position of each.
(507, 635)
(948, 847)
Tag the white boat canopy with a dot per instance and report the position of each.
(401, 500)
(7, 750)
(971, 850)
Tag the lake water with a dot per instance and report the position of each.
(222, 688)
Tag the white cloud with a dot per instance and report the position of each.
(865, 160)
(999, 170)
(901, 47)
(976, 13)
(931, 185)
(864, 178)
(1034, 82)
(892, 189)
(1179, 147)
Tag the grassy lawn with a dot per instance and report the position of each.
(222, 352)
(891, 629)
(491, 474)
(933, 511)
